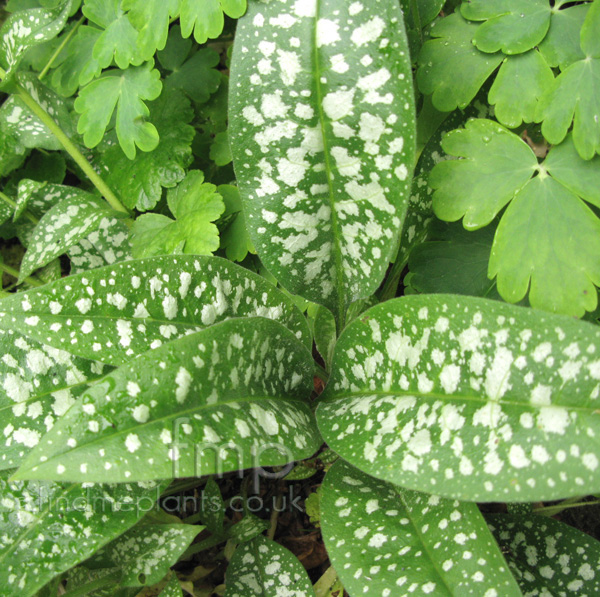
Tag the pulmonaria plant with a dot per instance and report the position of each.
(139, 363)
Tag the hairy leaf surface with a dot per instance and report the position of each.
(546, 556)
(322, 134)
(39, 384)
(46, 528)
(471, 398)
(399, 542)
(263, 567)
(229, 397)
(146, 552)
(72, 219)
(118, 312)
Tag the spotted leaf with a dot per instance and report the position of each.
(470, 398)
(146, 552)
(322, 136)
(28, 28)
(230, 397)
(263, 567)
(390, 541)
(114, 313)
(39, 384)
(46, 528)
(63, 225)
(546, 556)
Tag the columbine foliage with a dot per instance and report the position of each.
(139, 364)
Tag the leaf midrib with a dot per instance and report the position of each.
(456, 397)
(328, 169)
(103, 438)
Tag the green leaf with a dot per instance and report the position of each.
(118, 41)
(172, 588)
(123, 90)
(26, 29)
(12, 151)
(138, 305)
(195, 205)
(326, 188)
(72, 219)
(520, 83)
(384, 539)
(183, 410)
(39, 384)
(44, 167)
(234, 238)
(575, 96)
(79, 66)
(534, 240)
(535, 249)
(220, 151)
(582, 177)
(197, 76)
(561, 46)
(495, 165)
(512, 26)
(205, 17)
(263, 567)
(48, 527)
(470, 398)
(248, 528)
(548, 557)
(212, 508)
(428, 10)
(419, 215)
(451, 67)
(140, 181)
(16, 118)
(146, 552)
(453, 261)
(81, 576)
(151, 19)
(108, 244)
(325, 334)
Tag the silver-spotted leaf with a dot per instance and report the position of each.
(39, 384)
(114, 313)
(263, 567)
(18, 120)
(146, 552)
(72, 219)
(46, 528)
(392, 541)
(322, 135)
(232, 396)
(468, 398)
(108, 244)
(546, 556)
(25, 29)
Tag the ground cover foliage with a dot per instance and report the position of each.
(299, 298)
